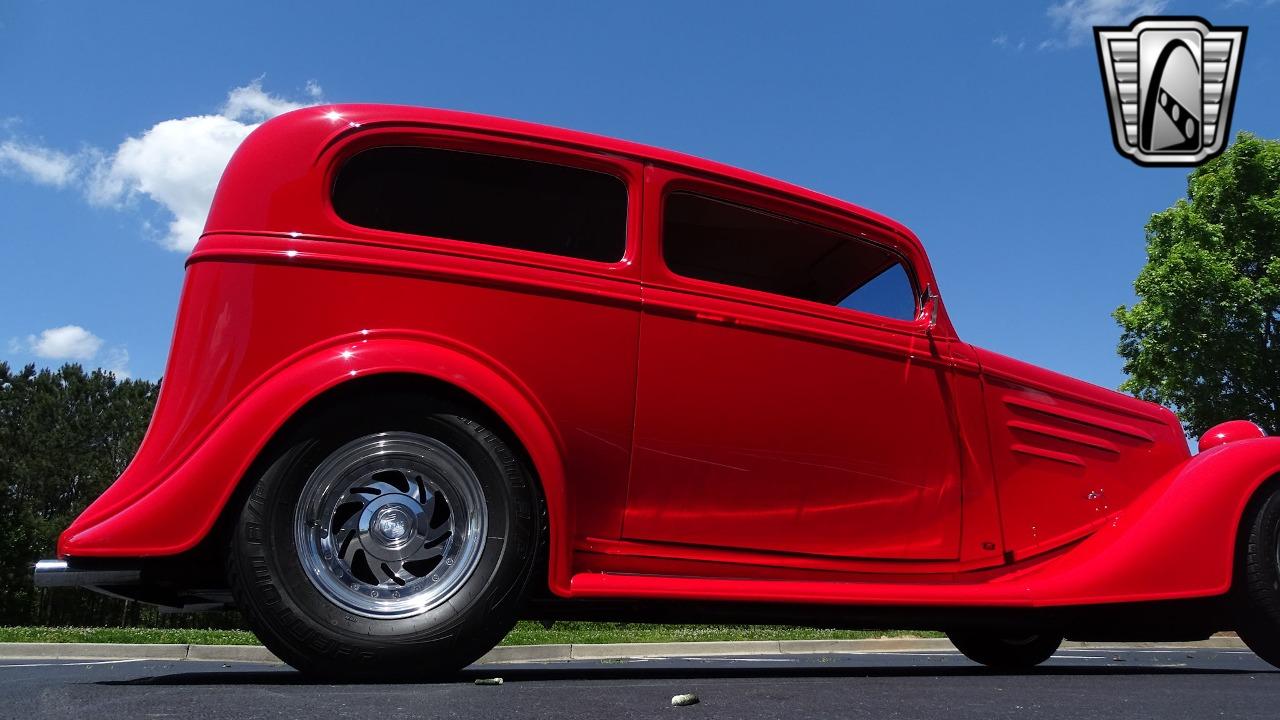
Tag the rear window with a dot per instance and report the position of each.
(486, 199)
(722, 242)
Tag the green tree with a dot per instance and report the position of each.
(1204, 336)
(64, 436)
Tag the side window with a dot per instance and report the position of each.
(487, 199)
(710, 239)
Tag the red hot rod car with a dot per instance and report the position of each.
(433, 372)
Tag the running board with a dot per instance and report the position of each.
(1013, 592)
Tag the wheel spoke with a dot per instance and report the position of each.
(340, 542)
(433, 536)
(397, 569)
(351, 523)
(380, 487)
(342, 532)
(349, 549)
(428, 511)
(418, 489)
(387, 572)
(426, 552)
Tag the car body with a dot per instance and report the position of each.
(711, 433)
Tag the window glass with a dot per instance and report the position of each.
(710, 239)
(485, 199)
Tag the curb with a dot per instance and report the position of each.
(552, 653)
(508, 654)
(91, 651)
(231, 653)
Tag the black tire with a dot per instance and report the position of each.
(1257, 585)
(316, 634)
(1006, 653)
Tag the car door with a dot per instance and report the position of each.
(789, 399)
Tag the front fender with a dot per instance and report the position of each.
(151, 511)
(1176, 540)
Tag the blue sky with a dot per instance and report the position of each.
(980, 125)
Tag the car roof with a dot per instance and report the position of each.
(347, 117)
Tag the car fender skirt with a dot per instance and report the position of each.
(163, 506)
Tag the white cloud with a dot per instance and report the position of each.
(116, 361)
(1003, 42)
(69, 342)
(175, 164)
(72, 342)
(1076, 18)
(252, 103)
(42, 165)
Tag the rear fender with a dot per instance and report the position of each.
(172, 512)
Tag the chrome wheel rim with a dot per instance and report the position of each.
(390, 525)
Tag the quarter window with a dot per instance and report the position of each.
(487, 199)
(722, 242)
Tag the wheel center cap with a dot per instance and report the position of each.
(392, 525)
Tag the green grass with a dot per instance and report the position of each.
(126, 635)
(532, 633)
(525, 633)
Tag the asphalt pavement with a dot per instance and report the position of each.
(1085, 683)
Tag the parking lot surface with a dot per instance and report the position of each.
(1094, 683)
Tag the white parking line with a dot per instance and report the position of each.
(1061, 656)
(1172, 651)
(69, 664)
(896, 653)
(743, 659)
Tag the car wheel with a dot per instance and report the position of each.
(1006, 653)
(1257, 586)
(396, 546)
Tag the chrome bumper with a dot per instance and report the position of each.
(56, 573)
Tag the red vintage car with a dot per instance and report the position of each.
(433, 372)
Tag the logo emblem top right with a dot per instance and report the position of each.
(1170, 84)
